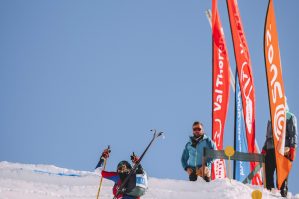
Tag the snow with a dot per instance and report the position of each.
(29, 181)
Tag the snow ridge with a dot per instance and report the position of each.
(28, 181)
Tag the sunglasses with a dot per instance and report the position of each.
(196, 129)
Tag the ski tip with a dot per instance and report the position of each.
(163, 135)
(153, 130)
(157, 134)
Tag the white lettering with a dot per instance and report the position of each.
(276, 90)
(217, 106)
(219, 81)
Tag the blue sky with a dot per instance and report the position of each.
(76, 76)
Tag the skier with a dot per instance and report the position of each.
(192, 155)
(136, 184)
(290, 150)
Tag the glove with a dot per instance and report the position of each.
(206, 172)
(106, 153)
(134, 158)
(292, 153)
(264, 152)
(189, 170)
(199, 172)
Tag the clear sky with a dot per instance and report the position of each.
(76, 76)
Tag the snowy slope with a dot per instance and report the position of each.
(49, 182)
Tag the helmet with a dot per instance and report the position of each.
(124, 167)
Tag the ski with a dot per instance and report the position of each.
(121, 188)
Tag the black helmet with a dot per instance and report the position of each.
(124, 167)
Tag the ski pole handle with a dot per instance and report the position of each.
(106, 152)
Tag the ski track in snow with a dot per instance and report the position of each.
(28, 181)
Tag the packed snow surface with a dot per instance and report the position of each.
(29, 181)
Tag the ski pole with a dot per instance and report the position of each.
(105, 162)
(99, 189)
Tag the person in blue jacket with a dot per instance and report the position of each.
(192, 155)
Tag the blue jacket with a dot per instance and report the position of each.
(192, 155)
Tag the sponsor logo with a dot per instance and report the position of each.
(219, 168)
(275, 88)
(246, 82)
(219, 78)
(279, 120)
(219, 88)
(217, 134)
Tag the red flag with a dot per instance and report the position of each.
(276, 94)
(245, 77)
(220, 89)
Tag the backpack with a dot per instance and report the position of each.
(140, 185)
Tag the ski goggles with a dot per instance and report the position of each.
(197, 129)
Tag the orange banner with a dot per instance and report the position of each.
(276, 94)
(220, 89)
(245, 77)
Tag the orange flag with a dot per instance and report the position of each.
(276, 94)
(246, 79)
(220, 89)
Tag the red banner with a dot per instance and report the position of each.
(220, 89)
(245, 77)
(276, 94)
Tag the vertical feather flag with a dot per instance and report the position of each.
(220, 89)
(276, 94)
(241, 168)
(245, 78)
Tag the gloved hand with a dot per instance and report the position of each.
(292, 153)
(264, 152)
(134, 158)
(189, 171)
(206, 172)
(106, 153)
(199, 172)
